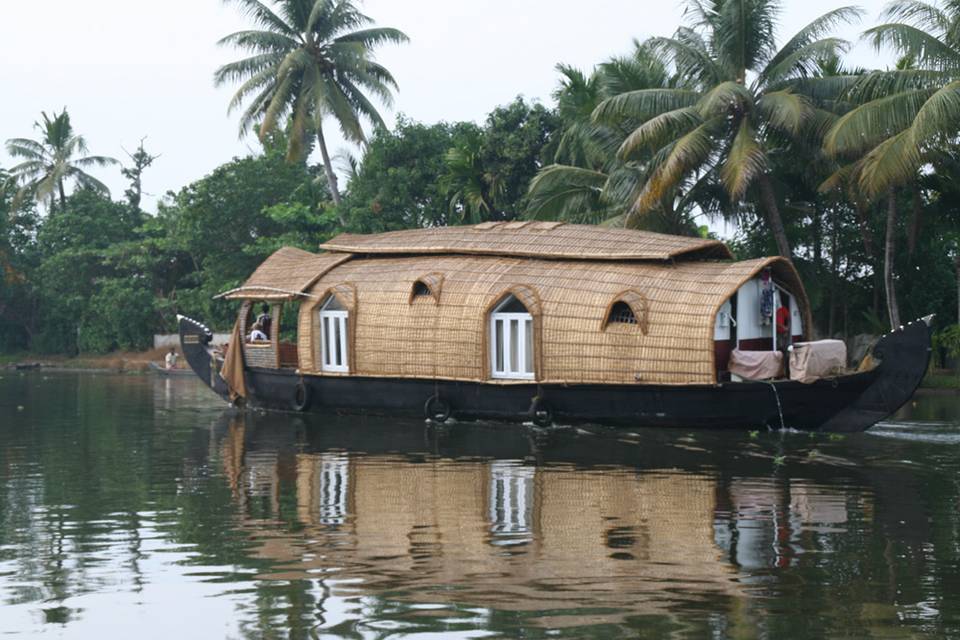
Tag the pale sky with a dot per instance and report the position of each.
(126, 69)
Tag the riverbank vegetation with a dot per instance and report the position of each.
(852, 173)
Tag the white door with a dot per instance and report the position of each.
(333, 335)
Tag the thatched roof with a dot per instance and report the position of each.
(447, 337)
(555, 240)
(285, 274)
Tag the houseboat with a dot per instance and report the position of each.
(546, 322)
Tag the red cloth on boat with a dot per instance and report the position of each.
(783, 320)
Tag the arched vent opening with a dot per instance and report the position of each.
(427, 286)
(621, 313)
(420, 289)
(630, 308)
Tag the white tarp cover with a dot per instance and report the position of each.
(756, 365)
(810, 361)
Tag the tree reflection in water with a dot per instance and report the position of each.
(123, 508)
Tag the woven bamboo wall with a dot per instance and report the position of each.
(390, 336)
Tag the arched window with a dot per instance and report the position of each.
(511, 340)
(333, 336)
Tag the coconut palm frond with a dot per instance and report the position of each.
(654, 132)
(744, 162)
(803, 62)
(723, 97)
(939, 115)
(564, 192)
(864, 126)
(312, 58)
(892, 163)
(809, 35)
(644, 103)
(677, 161)
(53, 159)
(923, 47)
(784, 110)
(923, 14)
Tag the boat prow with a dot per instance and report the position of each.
(195, 339)
(904, 356)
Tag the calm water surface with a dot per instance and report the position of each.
(136, 507)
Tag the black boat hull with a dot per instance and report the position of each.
(845, 403)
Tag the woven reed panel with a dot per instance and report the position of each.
(260, 355)
(287, 270)
(533, 239)
(308, 331)
(393, 337)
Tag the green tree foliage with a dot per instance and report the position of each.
(396, 186)
(97, 275)
(488, 171)
(588, 182)
(53, 159)
(853, 173)
(902, 118)
(431, 175)
(218, 229)
(309, 59)
(738, 102)
(72, 244)
(17, 259)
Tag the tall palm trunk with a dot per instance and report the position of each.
(893, 310)
(769, 201)
(63, 196)
(331, 176)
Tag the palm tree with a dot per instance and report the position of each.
(473, 190)
(309, 59)
(49, 162)
(588, 182)
(738, 101)
(905, 116)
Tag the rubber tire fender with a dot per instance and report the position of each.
(301, 397)
(540, 412)
(436, 409)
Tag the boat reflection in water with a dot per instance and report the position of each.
(566, 528)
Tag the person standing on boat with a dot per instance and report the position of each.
(782, 322)
(265, 320)
(170, 361)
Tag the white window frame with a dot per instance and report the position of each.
(507, 372)
(329, 321)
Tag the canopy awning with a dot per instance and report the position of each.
(285, 275)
